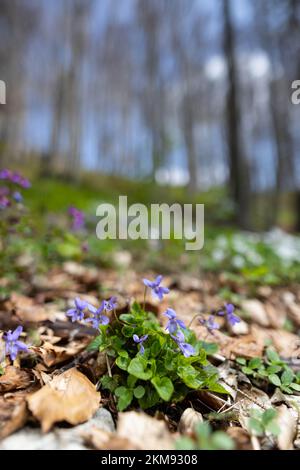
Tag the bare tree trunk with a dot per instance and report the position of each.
(238, 168)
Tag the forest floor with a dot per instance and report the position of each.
(52, 396)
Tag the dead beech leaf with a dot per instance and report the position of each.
(287, 344)
(68, 397)
(287, 422)
(103, 440)
(241, 438)
(51, 354)
(13, 414)
(256, 311)
(144, 432)
(27, 310)
(14, 379)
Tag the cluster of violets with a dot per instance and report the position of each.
(211, 323)
(6, 195)
(174, 325)
(96, 316)
(77, 218)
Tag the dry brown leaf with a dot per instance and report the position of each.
(52, 354)
(103, 440)
(287, 344)
(256, 311)
(241, 438)
(13, 415)
(145, 432)
(287, 422)
(68, 397)
(27, 310)
(14, 379)
(188, 420)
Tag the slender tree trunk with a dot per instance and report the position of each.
(238, 168)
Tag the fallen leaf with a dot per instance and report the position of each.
(13, 414)
(188, 420)
(52, 354)
(241, 438)
(144, 432)
(14, 379)
(256, 311)
(287, 422)
(68, 397)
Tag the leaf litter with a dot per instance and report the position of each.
(56, 385)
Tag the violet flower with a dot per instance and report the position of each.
(12, 344)
(210, 323)
(4, 202)
(77, 313)
(97, 317)
(186, 348)
(111, 304)
(17, 196)
(140, 341)
(173, 322)
(157, 290)
(16, 178)
(231, 317)
(77, 218)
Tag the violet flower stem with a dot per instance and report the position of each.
(145, 293)
(194, 317)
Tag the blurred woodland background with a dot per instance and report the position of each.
(188, 93)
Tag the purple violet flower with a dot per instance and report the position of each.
(16, 178)
(210, 323)
(12, 344)
(186, 348)
(173, 322)
(77, 313)
(97, 317)
(17, 196)
(111, 304)
(140, 341)
(231, 317)
(157, 290)
(77, 218)
(4, 202)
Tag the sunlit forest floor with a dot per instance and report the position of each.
(46, 264)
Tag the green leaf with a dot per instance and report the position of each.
(139, 391)
(190, 377)
(275, 380)
(273, 369)
(272, 355)
(127, 317)
(131, 381)
(256, 427)
(287, 377)
(109, 383)
(125, 397)
(241, 360)
(164, 387)
(155, 348)
(122, 362)
(220, 441)
(139, 367)
(268, 416)
(247, 371)
(95, 344)
(255, 363)
(128, 331)
(295, 387)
